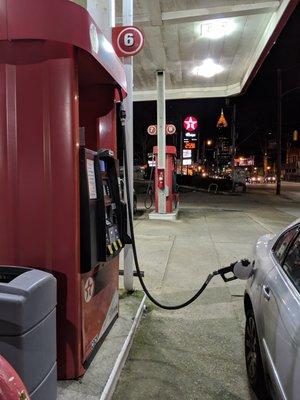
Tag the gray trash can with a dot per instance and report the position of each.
(28, 328)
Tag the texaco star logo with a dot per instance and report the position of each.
(89, 288)
(190, 123)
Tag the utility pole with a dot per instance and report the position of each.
(279, 131)
(217, 152)
(233, 138)
(203, 150)
(181, 143)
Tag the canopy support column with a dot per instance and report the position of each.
(128, 105)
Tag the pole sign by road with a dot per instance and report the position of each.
(187, 153)
(190, 123)
(190, 135)
(187, 162)
(190, 146)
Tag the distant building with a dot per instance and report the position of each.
(292, 166)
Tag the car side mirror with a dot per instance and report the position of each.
(243, 269)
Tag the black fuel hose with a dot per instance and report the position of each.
(149, 192)
(130, 215)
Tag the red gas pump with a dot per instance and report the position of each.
(56, 186)
(166, 179)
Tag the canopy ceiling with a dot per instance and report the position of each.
(181, 34)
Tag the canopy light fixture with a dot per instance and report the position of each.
(217, 29)
(208, 69)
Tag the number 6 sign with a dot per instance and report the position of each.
(127, 40)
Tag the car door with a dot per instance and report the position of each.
(281, 314)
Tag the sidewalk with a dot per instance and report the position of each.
(196, 353)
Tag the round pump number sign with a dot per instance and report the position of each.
(127, 40)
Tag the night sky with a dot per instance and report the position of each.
(256, 108)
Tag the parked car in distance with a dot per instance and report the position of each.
(272, 308)
(255, 179)
(270, 179)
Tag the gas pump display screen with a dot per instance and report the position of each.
(103, 166)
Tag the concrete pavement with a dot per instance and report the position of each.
(92, 384)
(197, 353)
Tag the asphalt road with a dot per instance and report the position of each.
(287, 187)
(289, 191)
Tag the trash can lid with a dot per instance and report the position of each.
(27, 296)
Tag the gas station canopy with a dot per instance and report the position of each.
(208, 48)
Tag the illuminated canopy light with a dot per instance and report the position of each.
(208, 69)
(217, 29)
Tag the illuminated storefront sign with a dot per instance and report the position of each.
(244, 161)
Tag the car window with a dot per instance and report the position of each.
(291, 263)
(283, 243)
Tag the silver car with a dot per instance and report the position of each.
(272, 308)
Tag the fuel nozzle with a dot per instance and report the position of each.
(243, 269)
(237, 270)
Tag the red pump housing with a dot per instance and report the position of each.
(57, 73)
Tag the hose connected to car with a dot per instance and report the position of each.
(222, 271)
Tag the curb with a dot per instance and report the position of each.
(212, 192)
(114, 376)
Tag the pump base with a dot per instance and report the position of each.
(165, 217)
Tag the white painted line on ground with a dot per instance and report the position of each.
(120, 361)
